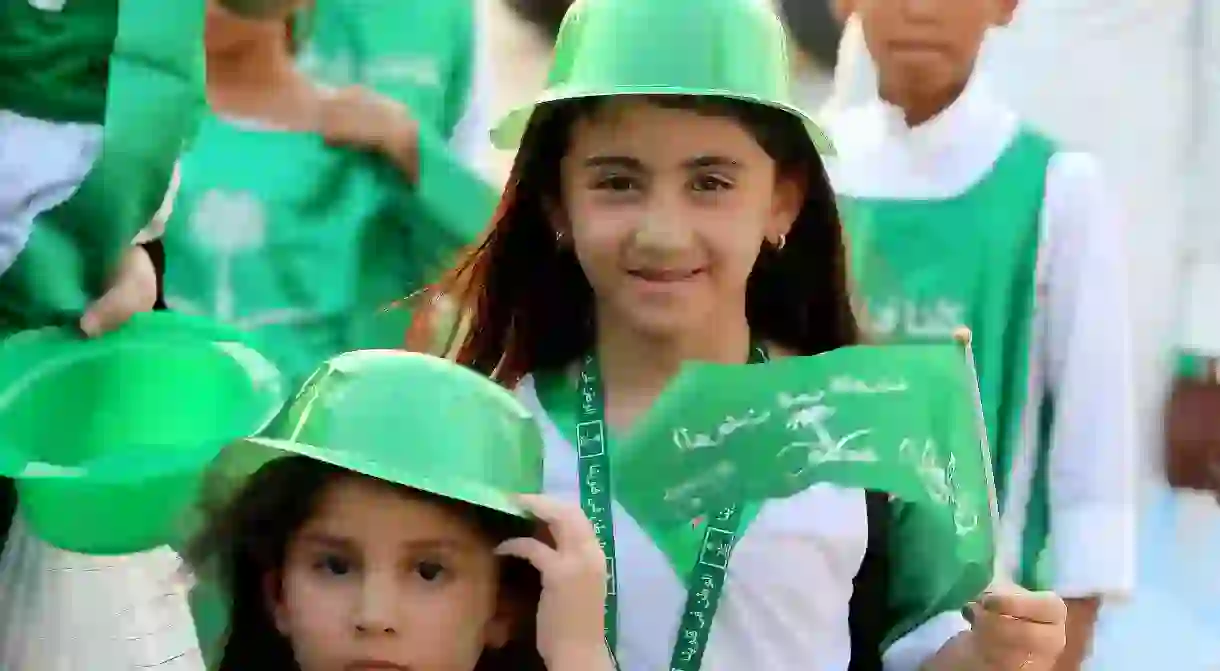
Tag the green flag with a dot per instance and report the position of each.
(901, 419)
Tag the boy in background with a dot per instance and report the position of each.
(960, 213)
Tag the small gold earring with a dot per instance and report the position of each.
(779, 244)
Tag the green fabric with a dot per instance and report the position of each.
(734, 49)
(151, 101)
(680, 545)
(903, 420)
(278, 233)
(51, 62)
(54, 53)
(422, 55)
(926, 267)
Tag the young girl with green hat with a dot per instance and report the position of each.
(669, 204)
(387, 524)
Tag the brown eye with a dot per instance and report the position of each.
(615, 183)
(707, 183)
(429, 570)
(334, 565)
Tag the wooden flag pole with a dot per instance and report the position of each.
(1000, 575)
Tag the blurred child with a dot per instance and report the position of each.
(960, 213)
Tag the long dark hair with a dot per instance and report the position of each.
(246, 539)
(526, 305)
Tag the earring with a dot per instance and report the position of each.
(779, 244)
(558, 236)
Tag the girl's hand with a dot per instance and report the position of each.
(133, 290)
(360, 119)
(1019, 630)
(571, 612)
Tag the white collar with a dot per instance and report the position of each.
(976, 111)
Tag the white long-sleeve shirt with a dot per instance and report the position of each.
(1083, 313)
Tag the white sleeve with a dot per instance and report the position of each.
(912, 651)
(1093, 458)
(471, 139)
(156, 228)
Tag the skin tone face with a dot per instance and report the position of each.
(379, 579)
(667, 210)
(925, 49)
(227, 31)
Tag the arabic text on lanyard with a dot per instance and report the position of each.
(707, 579)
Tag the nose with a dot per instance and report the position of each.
(658, 233)
(918, 10)
(375, 612)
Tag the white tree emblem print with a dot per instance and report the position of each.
(230, 224)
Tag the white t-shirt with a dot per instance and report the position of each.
(42, 164)
(786, 600)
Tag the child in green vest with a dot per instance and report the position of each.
(389, 526)
(960, 213)
(306, 210)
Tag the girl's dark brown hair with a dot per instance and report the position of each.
(525, 302)
(246, 539)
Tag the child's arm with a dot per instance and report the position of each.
(133, 290)
(1094, 458)
(137, 283)
(571, 609)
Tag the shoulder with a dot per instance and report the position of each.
(1073, 169)
(857, 133)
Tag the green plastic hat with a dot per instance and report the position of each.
(728, 48)
(107, 438)
(406, 418)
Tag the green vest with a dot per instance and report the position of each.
(135, 67)
(298, 241)
(926, 267)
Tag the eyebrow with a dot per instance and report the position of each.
(710, 161)
(345, 543)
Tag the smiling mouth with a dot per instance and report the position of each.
(666, 274)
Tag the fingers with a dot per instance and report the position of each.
(534, 551)
(1044, 607)
(133, 290)
(1013, 628)
(1006, 631)
(566, 522)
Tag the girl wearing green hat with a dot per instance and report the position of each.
(388, 525)
(304, 209)
(668, 204)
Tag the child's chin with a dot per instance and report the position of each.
(668, 321)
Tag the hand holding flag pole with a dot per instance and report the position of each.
(1002, 581)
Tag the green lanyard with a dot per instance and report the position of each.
(707, 579)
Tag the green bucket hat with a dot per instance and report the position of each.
(410, 419)
(726, 48)
(107, 438)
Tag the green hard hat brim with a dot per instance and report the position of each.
(237, 463)
(507, 134)
(107, 438)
